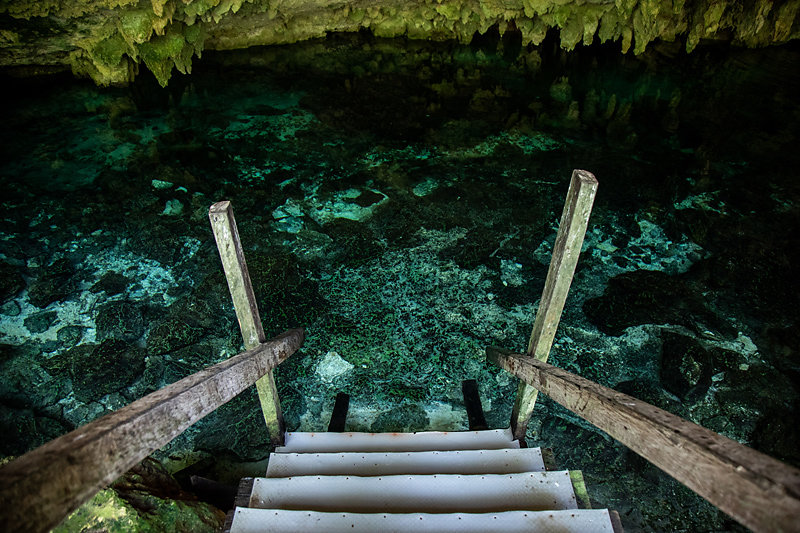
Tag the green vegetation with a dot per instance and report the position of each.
(107, 39)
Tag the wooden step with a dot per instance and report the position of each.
(503, 461)
(397, 442)
(446, 493)
(282, 521)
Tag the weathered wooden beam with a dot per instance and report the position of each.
(567, 248)
(231, 253)
(39, 489)
(760, 492)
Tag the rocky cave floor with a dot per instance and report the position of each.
(400, 200)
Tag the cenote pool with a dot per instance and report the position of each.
(400, 199)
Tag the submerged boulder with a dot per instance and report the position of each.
(11, 281)
(651, 297)
(104, 368)
(119, 320)
(685, 367)
(53, 283)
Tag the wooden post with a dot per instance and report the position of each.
(760, 492)
(39, 489)
(244, 301)
(567, 248)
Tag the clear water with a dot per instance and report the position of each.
(400, 201)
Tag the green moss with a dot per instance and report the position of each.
(167, 33)
(173, 49)
(110, 51)
(105, 512)
(146, 500)
(136, 25)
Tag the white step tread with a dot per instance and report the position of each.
(502, 461)
(324, 442)
(282, 521)
(446, 493)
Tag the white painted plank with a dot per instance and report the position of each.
(281, 521)
(397, 442)
(503, 461)
(447, 493)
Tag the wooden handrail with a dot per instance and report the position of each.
(760, 492)
(39, 489)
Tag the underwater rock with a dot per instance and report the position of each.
(777, 436)
(145, 499)
(10, 308)
(332, 366)
(11, 281)
(28, 380)
(478, 247)
(174, 208)
(685, 367)
(405, 418)
(355, 242)
(103, 368)
(53, 284)
(69, 336)
(112, 283)
(293, 300)
(651, 297)
(237, 427)
(189, 319)
(119, 320)
(171, 334)
(40, 322)
(184, 362)
(25, 429)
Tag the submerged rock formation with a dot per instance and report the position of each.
(107, 40)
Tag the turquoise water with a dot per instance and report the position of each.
(400, 201)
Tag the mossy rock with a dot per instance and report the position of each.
(405, 418)
(40, 322)
(236, 427)
(11, 281)
(286, 297)
(146, 499)
(184, 362)
(25, 429)
(29, 381)
(111, 283)
(69, 336)
(354, 242)
(187, 322)
(54, 283)
(104, 368)
(686, 366)
(478, 247)
(119, 320)
(651, 297)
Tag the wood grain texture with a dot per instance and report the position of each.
(231, 253)
(42, 487)
(760, 492)
(567, 248)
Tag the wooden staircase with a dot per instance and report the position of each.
(481, 480)
(431, 481)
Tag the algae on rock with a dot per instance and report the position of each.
(145, 499)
